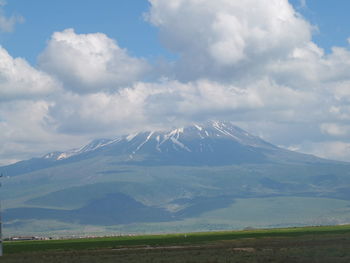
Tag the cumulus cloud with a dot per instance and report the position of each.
(18, 80)
(252, 62)
(26, 133)
(170, 102)
(265, 50)
(26, 94)
(218, 38)
(90, 62)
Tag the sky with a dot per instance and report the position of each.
(73, 71)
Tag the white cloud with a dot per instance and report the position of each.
(7, 24)
(263, 49)
(334, 129)
(29, 98)
(25, 97)
(334, 150)
(25, 132)
(18, 80)
(218, 38)
(249, 61)
(100, 114)
(90, 62)
(168, 103)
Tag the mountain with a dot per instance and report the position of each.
(213, 143)
(212, 175)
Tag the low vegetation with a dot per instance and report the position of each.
(307, 244)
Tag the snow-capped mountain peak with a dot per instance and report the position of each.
(201, 141)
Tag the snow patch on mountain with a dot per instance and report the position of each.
(144, 142)
(94, 145)
(175, 141)
(191, 139)
(130, 137)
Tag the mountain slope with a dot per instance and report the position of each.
(183, 177)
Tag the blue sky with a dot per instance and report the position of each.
(123, 20)
(331, 18)
(75, 70)
(120, 20)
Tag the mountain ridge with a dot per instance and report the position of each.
(209, 143)
(203, 131)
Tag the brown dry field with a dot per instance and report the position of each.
(308, 249)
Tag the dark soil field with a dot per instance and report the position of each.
(312, 244)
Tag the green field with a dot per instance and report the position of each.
(307, 244)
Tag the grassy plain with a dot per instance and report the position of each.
(307, 244)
